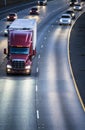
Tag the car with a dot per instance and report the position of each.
(71, 3)
(65, 19)
(71, 12)
(34, 11)
(42, 2)
(77, 7)
(6, 30)
(12, 17)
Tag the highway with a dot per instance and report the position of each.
(47, 99)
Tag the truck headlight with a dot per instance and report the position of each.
(9, 66)
(28, 67)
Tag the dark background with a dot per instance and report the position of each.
(12, 2)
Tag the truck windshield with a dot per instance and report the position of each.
(19, 50)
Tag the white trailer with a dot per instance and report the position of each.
(26, 24)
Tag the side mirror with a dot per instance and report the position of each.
(5, 52)
(34, 52)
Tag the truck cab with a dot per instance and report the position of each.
(42, 2)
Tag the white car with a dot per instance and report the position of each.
(65, 19)
(77, 7)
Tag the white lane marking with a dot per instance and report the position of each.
(36, 88)
(37, 69)
(41, 46)
(38, 114)
(39, 56)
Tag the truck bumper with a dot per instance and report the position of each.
(13, 71)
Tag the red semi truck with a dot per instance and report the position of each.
(22, 35)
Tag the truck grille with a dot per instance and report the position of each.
(18, 64)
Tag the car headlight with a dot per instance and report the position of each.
(15, 17)
(9, 66)
(73, 14)
(28, 67)
(80, 7)
(69, 20)
(8, 17)
(61, 20)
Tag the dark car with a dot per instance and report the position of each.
(11, 17)
(6, 30)
(72, 3)
(71, 12)
(34, 11)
